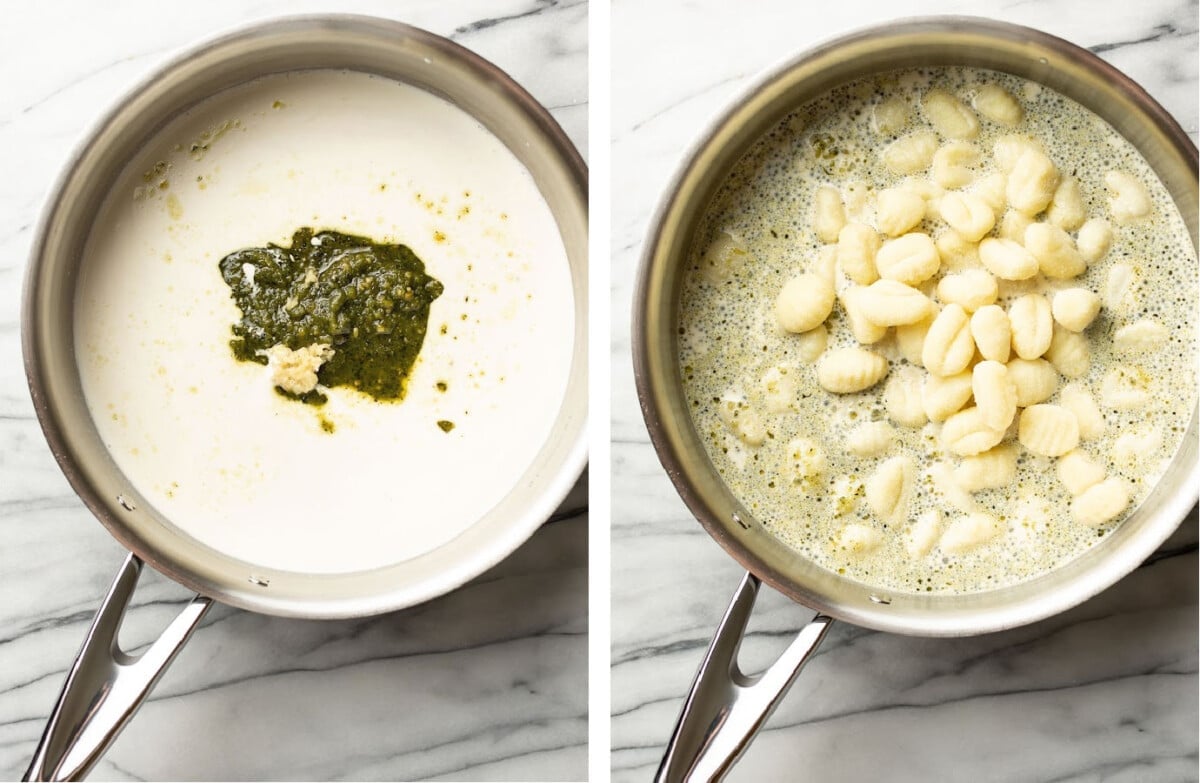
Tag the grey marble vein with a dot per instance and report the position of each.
(487, 683)
(1104, 692)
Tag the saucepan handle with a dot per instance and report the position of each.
(106, 686)
(726, 708)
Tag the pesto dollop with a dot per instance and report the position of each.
(368, 301)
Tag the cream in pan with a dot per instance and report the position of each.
(871, 476)
(206, 439)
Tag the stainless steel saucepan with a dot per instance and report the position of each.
(105, 686)
(725, 707)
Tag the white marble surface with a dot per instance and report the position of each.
(1107, 691)
(489, 682)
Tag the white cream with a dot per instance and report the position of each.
(206, 439)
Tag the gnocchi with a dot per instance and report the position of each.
(952, 162)
(992, 332)
(857, 245)
(1129, 201)
(969, 532)
(967, 214)
(1078, 473)
(804, 303)
(811, 344)
(1079, 401)
(902, 397)
(1140, 337)
(1075, 308)
(1124, 389)
(948, 345)
(943, 396)
(778, 388)
(889, 488)
(859, 539)
(1013, 226)
(1100, 503)
(846, 492)
(942, 479)
(995, 394)
(865, 332)
(1118, 295)
(1137, 445)
(1032, 182)
(956, 253)
(856, 198)
(889, 116)
(971, 289)
(829, 214)
(998, 105)
(967, 432)
(910, 259)
(871, 439)
(1032, 326)
(1048, 430)
(1007, 259)
(892, 303)
(992, 469)
(804, 460)
(992, 189)
(911, 154)
(910, 339)
(1066, 207)
(1069, 353)
(1007, 150)
(1035, 379)
(949, 116)
(723, 257)
(825, 264)
(898, 211)
(849, 370)
(1055, 251)
(742, 420)
(923, 533)
(1093, 239)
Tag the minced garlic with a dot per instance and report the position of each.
(296, 371)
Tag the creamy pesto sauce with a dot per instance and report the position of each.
(355, 484)
(729, 338)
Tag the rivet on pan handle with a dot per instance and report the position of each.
(725, 708)
(106, 686)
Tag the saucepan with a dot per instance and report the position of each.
(726, 707)
(105, 685)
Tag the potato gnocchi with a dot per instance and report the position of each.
(919, 338)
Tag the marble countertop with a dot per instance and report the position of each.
(487, 683)
(1106, 691)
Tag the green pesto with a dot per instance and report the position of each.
(369, 300)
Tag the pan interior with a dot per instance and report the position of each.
(965, 42)
(372, 46)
